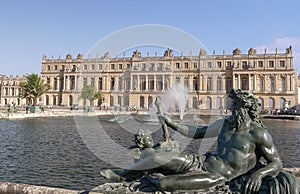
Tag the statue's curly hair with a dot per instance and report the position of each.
(246, 100)
(140, 135)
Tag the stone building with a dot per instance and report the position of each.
(10, 90)
(135, 81)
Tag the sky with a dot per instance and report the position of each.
(33, 28)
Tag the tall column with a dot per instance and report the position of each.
(154, 77)
(276, 82)
(163, 82)
(138, 82)
(107, 84)
(249, 82)
(239, 81)
(205, 83)
(146, 82)
(292, 82)
(58, 83)
(254, 80)
(68, 83)
(214, 83)
(223, 83)
(131, 83)
(116, 87)
(171, 81)
(200, 81)
(288, 82)
(96, 83)
(75, 83)
(265, 83)
(191, 87)
(52, 82)
(64, 86)
(233, 81)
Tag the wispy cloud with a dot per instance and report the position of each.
(281, 44)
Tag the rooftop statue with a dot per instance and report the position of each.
(246, 159)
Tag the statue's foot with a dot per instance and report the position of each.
(111, 175)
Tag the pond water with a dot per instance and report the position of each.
(51, 151)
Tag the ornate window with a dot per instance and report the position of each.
(120, 85)
(209, 83)
(282, 102)
(271, 103)
(219, 103)
(245, 83)
(195, 84)
(208, 103)
(112, 83)
(84, 81)
(100, 84)
(272, 84)
(261, 84)
(282, 84)
(186, 82)
(219, 84)
(186, 65)
(195, 103)
(93, 82)
(228, 83)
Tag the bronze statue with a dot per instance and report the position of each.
(242, 142)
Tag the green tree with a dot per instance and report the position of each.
(33, 88)
(89, 93)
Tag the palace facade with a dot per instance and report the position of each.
(136, 81)
(10, 90)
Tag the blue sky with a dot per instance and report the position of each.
(32, 28)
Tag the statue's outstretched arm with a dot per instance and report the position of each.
(195, 132)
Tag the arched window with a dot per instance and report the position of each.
(208, 103)
(70, 100)
(142, 102)
(282, 102)
(261, 102)
(47, 100)
(219, 103)
(111, 101)
(54, 100)
(150, 102)
(195, 103)
(271, 103)
(228, 102)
